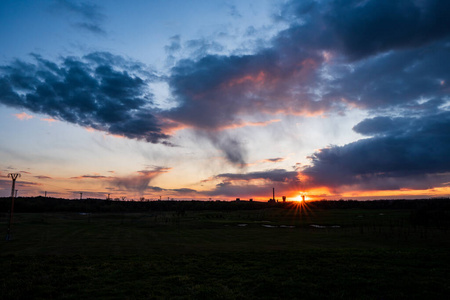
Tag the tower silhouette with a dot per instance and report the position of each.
(13, 176)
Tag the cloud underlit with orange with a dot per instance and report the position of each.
(23, 116)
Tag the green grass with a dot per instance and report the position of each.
(206, 255)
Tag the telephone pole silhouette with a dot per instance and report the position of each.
(9, 230)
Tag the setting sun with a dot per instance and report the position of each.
(300, 198)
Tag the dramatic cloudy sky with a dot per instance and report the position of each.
(339, 99)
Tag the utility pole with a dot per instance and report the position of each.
(273, 193)
(9, 231)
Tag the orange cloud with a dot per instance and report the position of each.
(245, 124)
(402, 193)
(49, 120)
(23, 116)
(170, 126)
(326, 193)
(258, 79)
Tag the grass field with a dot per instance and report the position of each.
(268, 253)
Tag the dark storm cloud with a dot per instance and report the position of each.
(91, 15)
(383, 126)
(395, 79)
(216, 90)
(371, 54)
(367, 27)
(416, 157)
(99, 91)
(382, 53)
(361, 28)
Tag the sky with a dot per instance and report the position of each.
(218, 100)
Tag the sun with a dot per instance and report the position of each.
(301, 198)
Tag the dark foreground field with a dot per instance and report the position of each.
(263, 253)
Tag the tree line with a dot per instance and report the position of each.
(90, 205)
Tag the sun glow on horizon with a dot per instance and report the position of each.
(301, 198)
